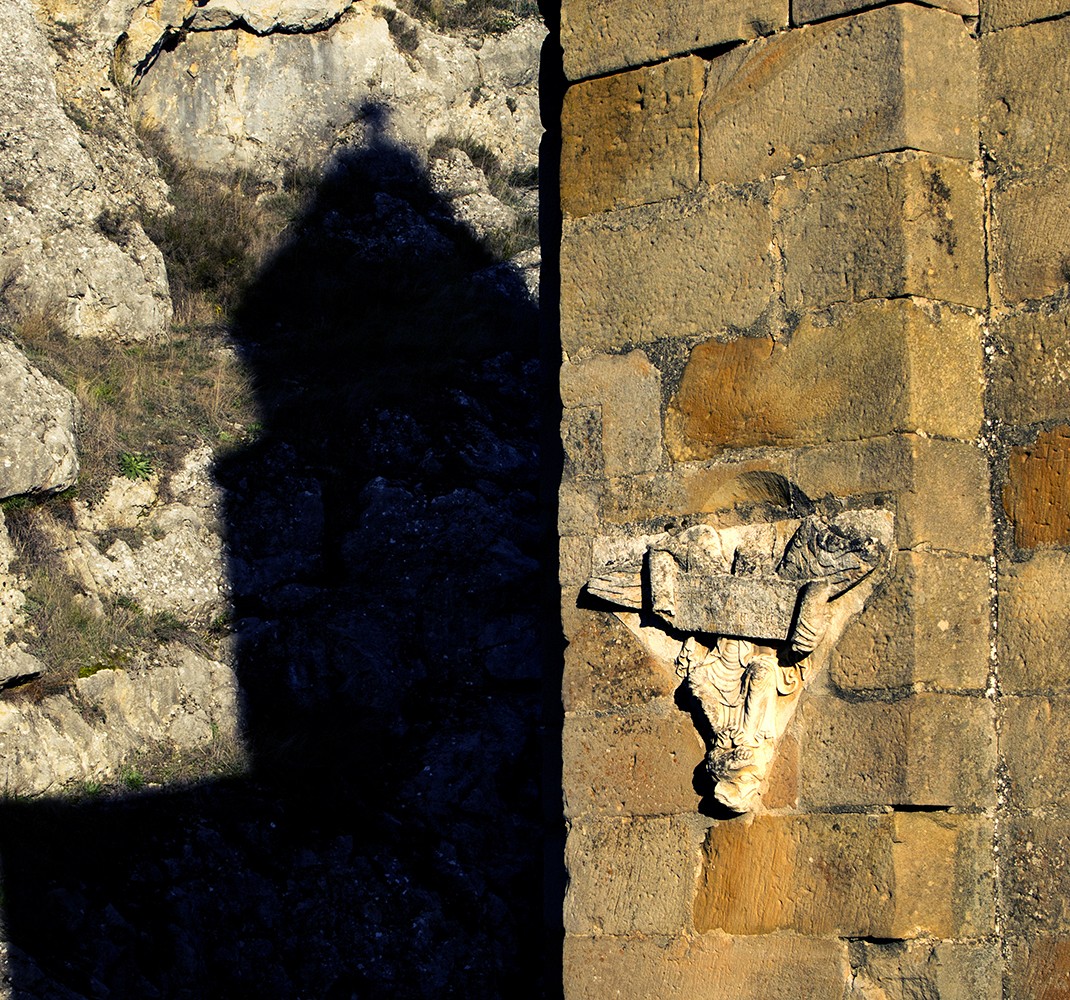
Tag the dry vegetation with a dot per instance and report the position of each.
(483, 16)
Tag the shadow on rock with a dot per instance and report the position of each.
(385, 545)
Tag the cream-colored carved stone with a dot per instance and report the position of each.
(749, 615)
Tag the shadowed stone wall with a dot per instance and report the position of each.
(824, 244)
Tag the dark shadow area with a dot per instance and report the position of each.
(388, 553)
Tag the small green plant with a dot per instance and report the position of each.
(91, 789)
(132, 778)
(135, 465)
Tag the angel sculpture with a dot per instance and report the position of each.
(753, 612)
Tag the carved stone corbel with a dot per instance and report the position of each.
(749, 614)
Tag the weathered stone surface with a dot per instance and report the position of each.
(927, 625)
(634, 763)
(625, 393)
(939, 969)
(1036, 496)
(903, 875)
(1025, 88)
(1035, 870)
(1039, 967)
(803, 11)
(1035, 737)
(38, 420)
(606, 666)
(684, 968)
(868, 372)
(574, 560)
(602, 35)
(927, 749)
(941, 487)
(879, 227)
(231, 99)
(1034, 624)
(184, 702)
(56, 261)
(1030, 371)
(631, 138)
(689, 267)
(577, 507)
(465, 187)
(179, 564)
(632, 875)
(1030, 243)
(901, 77)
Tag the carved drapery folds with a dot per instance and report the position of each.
(749, 614)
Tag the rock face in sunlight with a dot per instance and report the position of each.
(235, 85)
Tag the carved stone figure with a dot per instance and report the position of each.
(750, 614)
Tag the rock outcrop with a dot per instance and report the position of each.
(267, 87)
(68, 249)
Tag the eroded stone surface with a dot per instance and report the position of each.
(863, 372)
(602, 35)
(1034, 631)
(1036, 496)
(897, 876)
(631, 138)
(901, 77)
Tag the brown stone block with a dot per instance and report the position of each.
(639, 498)
(912, 970)
(1030, 238)
(868, 372)
(638, 763)
(940, 487)
(632, 874)
(598, 36)
(1034, 624)
(884, 226)
(1036, 496)
(607, 667)
(1025, 89)
(1030, 374)
(676, 269)
(901, 77)
(631, 138)
(902, 875)
(785, 967)
(1035, 870)
(928, 624)
(803, 11)
(928, 750)
(1039, 968)
(625, 391)
(1035, 737)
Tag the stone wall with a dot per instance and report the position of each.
(822, 248)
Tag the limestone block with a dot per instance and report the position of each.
(928, 624)
(817, 10)
(602, 35)
(38, 422)
(940, 487)
(678, 269)
(631, 138)
(1034, 624)
(632, 874)
(1035, 874)
(1029, 378)
(1036, 495)
(684, 968)
(900, 224)
(1035, 737)
(626, 392)
(1025, 88)
(928, 750)
(633, 763)
(577, 507)
(869, 371)
(901, 77)
(1007, 13)
(606, 667)
(641, 497)
(909, 971)
(1039, 967)
(1030, 241)
(902, 875)
(574, 560)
